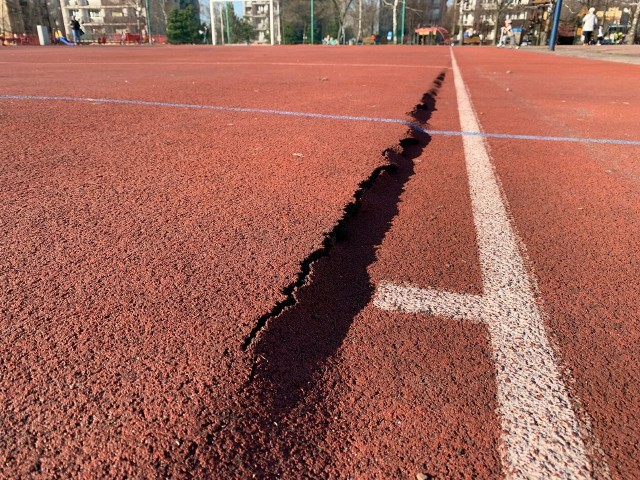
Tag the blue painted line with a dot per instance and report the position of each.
(411, 125)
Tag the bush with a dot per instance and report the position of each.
(182, 26)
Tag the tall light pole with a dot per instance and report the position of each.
(455, 20)
(311, 22)
(149, 22)
(271, 32)
(226, 12)
(461, 32)
(212, 19)
(404, 4)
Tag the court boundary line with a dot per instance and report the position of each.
(355, 118)
(541, 434)
(284, 64)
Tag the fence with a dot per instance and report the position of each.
(111, 39)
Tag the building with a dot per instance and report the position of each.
(484, 17)
(108, 17)
(105, 17)
(258, 14)
(23, 16)
(98, 17)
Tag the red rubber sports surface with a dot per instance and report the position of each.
(142, 244)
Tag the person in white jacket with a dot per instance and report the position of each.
(589, 23)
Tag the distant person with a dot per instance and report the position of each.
(506, 32)
(600, 35)
(76, 29)
(589, 23)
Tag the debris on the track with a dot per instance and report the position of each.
(298, 155)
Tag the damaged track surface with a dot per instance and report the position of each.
(141, 244)
(187, 289)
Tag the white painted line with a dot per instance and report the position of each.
(352, 118)
(540, 431)
(247, 64)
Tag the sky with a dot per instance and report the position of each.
(204, 10)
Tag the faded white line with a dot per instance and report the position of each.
(247, 64)
(352, 118)
(540, 431)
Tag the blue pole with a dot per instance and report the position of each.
(554, 28)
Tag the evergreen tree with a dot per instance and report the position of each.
(241, 29)
(182, 26)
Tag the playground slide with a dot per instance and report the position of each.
(65, 41)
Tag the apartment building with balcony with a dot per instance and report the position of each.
(105, 17)
(485, 17)
(258, 14)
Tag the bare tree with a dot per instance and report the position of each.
(394, 6)
(359, 36)
(342, 8)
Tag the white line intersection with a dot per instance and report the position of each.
(540, 431)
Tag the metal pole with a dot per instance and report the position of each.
(212, 19)
(404, 4)
(455, 21)
(271, 32)
(221, 27)
(311, 22)
(554, 29)
(461, 32)
(226, 11)
(149, 23)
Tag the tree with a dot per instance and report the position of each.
(394, 18)
(296, 20)
(342, 8)
(241, 30)
(182, 26)
(159, 11)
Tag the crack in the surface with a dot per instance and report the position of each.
(421, 112)
(330, 238)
